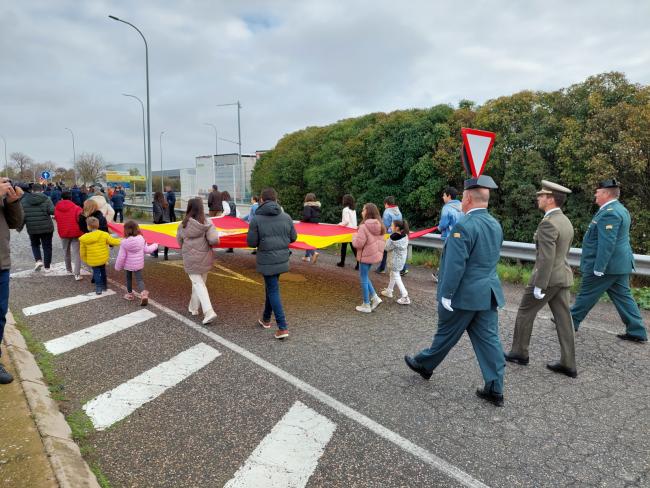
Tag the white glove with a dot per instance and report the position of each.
(446, 303)
(537, 293)
(598, 273)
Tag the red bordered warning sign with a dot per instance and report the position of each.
(477, 145)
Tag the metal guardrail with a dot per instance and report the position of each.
(148, 208)
(526, 252)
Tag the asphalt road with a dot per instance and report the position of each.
(391, 428)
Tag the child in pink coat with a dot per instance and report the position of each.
(131, 259)
(369, 243)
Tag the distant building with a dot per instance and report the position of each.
(224, 171)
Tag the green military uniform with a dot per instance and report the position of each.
(552, 276)
(469, 279)
(606, 249)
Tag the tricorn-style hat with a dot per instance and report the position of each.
(613, 183)
(548, 187)
(483, 181)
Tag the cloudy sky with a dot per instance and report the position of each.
(292, 64)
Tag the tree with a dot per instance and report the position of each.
(23, 164)
(90, 167)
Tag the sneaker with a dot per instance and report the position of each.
(404, 300)
(306, 259)
(129, 296)
(38, 265)
(387, 293)
(193, 314)
(5, 376)
(98, 292)
(209, 317)
(78, 277)
(340, 265)
(315, 258)
(375, 302)
(364, 307)
(404, 272)
(281, 334)
(265, 324)
(435, 277)
(47, 270)
(144, 298)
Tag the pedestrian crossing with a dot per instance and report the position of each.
(64, 302)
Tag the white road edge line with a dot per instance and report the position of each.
(64, 302)
(90, 334)
(116, 404)
(289, 454)
(401, 442)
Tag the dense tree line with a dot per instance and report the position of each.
(575, 136)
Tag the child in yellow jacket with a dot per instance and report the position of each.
(95, 252)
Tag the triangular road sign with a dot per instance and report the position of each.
(478, 144)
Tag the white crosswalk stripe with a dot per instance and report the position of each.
(289, 454)
(64, 302)
(99, 331)
(116, 404)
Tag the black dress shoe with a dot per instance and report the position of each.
(516, 358)
(413, 364)
(558, 368)
(340, 265)
(631, 338)
(5, 376)
(489, 396)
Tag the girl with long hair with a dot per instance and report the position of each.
(160, 215)
(369, 242)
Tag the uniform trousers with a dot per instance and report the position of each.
(482, 327)
(617, 287)
(558, 301)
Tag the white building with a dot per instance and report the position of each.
(222, 170)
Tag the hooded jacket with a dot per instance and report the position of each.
(451, 212)
(67, 214)
(369, 242)
(397, 249)
(132, 251)
(391, 214)
(271, 232)
(93, 247)
(38, 207)
(311, 212)
(196, 240)
(103, 225)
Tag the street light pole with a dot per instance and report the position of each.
(6, 164)
(162, 188)
(241, 169)
(144, 134)
(74, 156)
(146, 53)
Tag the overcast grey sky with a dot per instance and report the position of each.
(291, 64)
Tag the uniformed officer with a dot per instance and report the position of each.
(469, 292)
(607, 262)
(550, 282)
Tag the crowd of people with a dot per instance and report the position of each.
(469, 291)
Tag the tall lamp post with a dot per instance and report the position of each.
(162, 188)
(144, 133)
(146, 54)
(241, 169)
(216, 151)
(6, 164)
(74, 156)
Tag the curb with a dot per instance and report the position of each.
(69, 467)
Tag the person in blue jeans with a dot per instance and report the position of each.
(11, 217)
(391, 213)
(271, 232)
(451, 212)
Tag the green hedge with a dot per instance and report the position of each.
(575, 136)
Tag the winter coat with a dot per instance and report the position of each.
(102, 203)
(369, 242)
(233, 208)
(214, 201)
(196, 240)
(397, 249)
(348, 218)
(67, 214)
(132, 251)
(93, 247)
(451, 213)
(311, 212)
(103, 224)
(117, 200)
(390, 215)
(171, 198)
(271, 232)
(11, 217)
(38, 207)
(55, 196)
(160, 214)
(77, 197)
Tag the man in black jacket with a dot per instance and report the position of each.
(38, 211)
(215, 207)
(271, 232)
(170, 195)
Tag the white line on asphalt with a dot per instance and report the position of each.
(99, 331)
(114, 405)
(403, 443)
(63, 302)
(289, 454)
(57, 269)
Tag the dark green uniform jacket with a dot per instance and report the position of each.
(38, 207)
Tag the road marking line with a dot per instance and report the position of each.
(64, 302)
(90, 334)
(57, 269)
(289, 454)
(233, 274)
(111, 406)
(401, 442)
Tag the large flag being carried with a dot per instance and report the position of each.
(232, 233)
